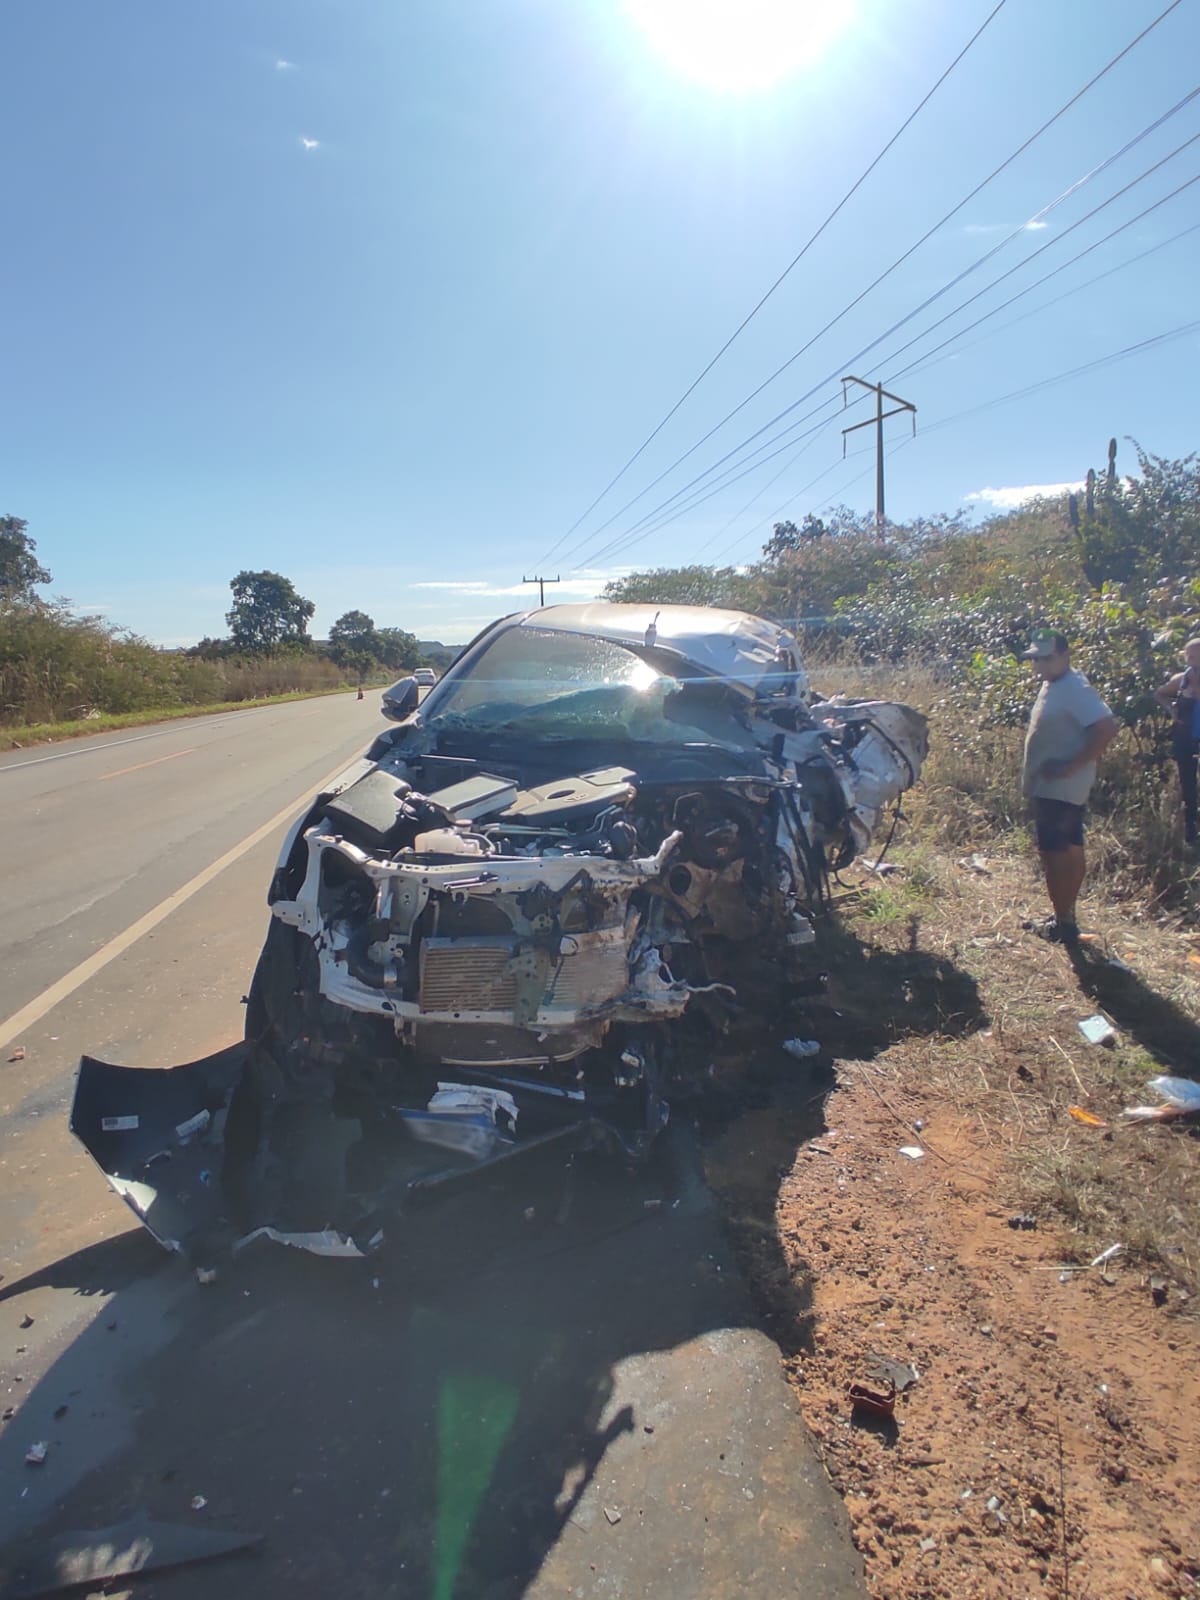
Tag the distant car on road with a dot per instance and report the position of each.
(426, 677)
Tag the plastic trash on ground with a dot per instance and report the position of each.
(1097, 1030)
(802, 1048)
(1180, 1097)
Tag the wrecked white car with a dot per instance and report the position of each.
(512, 922)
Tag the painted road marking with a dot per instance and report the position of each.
(138, 766)
(85, 750)
(37, 1008)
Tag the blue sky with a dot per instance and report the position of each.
(382, 294)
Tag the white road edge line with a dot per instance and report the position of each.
(12, 1027)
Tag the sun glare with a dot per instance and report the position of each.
(738, 46)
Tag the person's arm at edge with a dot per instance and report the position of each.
(1170, 690)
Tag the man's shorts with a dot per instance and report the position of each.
(1058, 824)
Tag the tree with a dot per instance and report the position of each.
(353, 641)
(19, 567)
(1145, 530)
(787, 536)
(267, 613)
(687, 586)
(397, 649)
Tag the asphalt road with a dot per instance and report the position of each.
(552, 1389)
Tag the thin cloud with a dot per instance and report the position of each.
(309, 144)
(1034, 225)
(285, 66)
(1012, 496)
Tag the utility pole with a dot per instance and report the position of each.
(541, 583)
(881, 394)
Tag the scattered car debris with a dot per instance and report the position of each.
(206, 1275)
(882, 869)
(26, 1321)
(1106, 1255)
(902, 1375)
(1098, 1030)
(976, 863)
(873, 1400)
(484, 933)
(613, 1515)
(1088, 1118)
(1024, 1221)
(36, 1453)
(1158, 1289)
(802, 1048)
(1180, 1096)
(198, 1502)
(323, 1242)
(18, 1054)
(98, 1555)
(912, 1151)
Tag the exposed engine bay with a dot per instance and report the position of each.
(514, 921)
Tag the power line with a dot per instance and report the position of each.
(1061, 377)
(920, 364)
(925, 237)
(1019, 394)
(1052, 243)
(795, 261)
(641, 527)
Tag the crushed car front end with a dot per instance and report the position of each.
(514, 921)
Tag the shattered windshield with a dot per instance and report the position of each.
(566, 685)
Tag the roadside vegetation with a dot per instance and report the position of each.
(63, 673)
(936, 611)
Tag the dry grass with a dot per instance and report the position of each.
(1016, 1075)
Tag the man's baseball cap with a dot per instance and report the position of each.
(1045, 642)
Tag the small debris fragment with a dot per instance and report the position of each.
(1107, 1255)
(1049, 1333)
(647, 1427)
(1098, 1030)
(882, 869)
(530, 1213)
(60, 1412)
(912, 1151)
(976, 863)
(613, 1515)
(873, 1400)
(900, 1374)
(985, 1329)
(27, 1321)
(928, 1544)
(1023, 1221)
(1181, 1097)
(651, 1205)
(36, 1453)
(198, 1502)
(18, 1054)
(802, 1048)
(119, 1124)
(1088, 1118)
(206, 1275)
(1158, 1290)
(8, 1414)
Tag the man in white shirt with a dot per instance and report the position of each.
(1069, 727)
